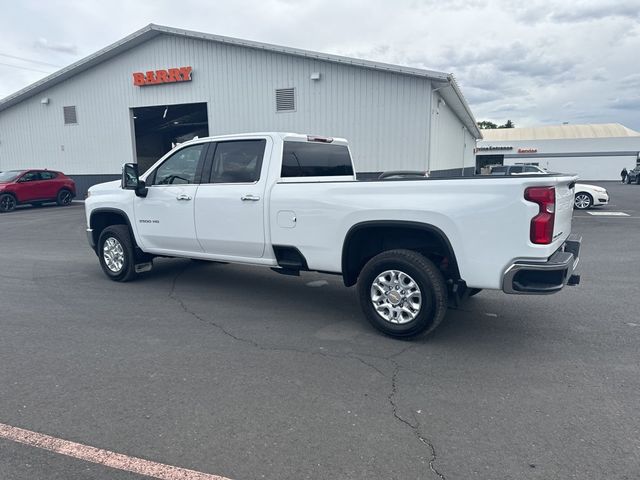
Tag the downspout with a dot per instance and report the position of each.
(464, 148)
(432, 127)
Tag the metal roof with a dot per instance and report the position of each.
(445, 82)
(557, 132)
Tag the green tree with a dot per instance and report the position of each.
(509, 124)
(486, 124)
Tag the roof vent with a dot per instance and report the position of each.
(285, 99)
(70, 117)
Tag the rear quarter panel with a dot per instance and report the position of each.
(486, 220)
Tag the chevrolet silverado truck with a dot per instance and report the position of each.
(412, 244)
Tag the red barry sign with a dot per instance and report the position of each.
(156, 77)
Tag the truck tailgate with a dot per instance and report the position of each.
(564, 209)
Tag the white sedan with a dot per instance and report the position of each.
(587, 196)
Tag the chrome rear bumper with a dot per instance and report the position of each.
(531, 278)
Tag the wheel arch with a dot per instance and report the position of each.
(365, 240)
(102, 218)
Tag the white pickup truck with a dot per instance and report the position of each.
(292, 202)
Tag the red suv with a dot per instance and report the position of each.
(34, 187)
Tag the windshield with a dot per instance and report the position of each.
(10, 176)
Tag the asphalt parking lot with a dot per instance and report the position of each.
(239, 372)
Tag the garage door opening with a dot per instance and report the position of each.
(158, 129)
(484, 161)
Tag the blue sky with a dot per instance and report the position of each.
(543, 62)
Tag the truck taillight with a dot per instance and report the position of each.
(542, 223)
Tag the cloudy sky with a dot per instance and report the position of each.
(545, 62)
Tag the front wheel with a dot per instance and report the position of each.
(7, 202)
(402, 293)
(583, 200)
(116, 253)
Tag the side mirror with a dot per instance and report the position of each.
(130, 180)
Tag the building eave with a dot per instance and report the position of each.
(150, 31)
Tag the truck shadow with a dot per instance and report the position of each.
(314, 301)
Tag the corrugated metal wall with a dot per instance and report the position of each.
(452, 146)
(385, 116)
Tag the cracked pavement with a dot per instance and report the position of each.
(238, 371)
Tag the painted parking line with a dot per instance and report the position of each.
(608, 214)
(102, 457)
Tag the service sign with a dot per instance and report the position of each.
(156, 77)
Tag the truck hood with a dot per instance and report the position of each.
(100, 187)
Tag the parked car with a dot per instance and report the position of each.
(588, 196)
(34, 187)
(517, 170)
(292, 203)
(633, 176)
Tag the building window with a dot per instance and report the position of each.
(285, 100)
(70, 116)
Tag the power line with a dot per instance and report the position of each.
(23, 68)
(29, 60)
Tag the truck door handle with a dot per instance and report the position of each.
(249, 198)
(183, 196)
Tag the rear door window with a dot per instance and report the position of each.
(307, 159)
(47, 175)
(238, 161)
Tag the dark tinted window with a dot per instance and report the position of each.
(499, 171)
(48, 175)
(515, 169)
(301, 159)
(30, 177)
(179, 168)
(238, 161)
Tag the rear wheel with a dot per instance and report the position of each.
(116, 253)
(583, 200)
(7, 202)
(64, 197)
(402, 293)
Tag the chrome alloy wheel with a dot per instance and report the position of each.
(582, 201)
(396, 297)
(113, 254)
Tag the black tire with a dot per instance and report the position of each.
(7, 202)
(474, 291)
(64, 197)
(120, 234)
(637, 179)
(628, 180)
(428, 279)
(583, 201)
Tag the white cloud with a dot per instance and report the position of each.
(540, 62)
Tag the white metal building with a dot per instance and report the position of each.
(134, 99)
(594, 152)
